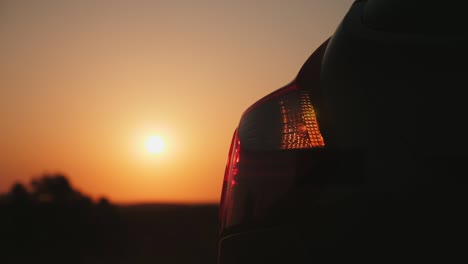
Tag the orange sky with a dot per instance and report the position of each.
(83, 84)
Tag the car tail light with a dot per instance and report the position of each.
(230, 171)
(262, 158)
(285, 119)
(276, 148)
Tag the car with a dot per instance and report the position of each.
(363, 153)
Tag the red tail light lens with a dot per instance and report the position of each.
(230, 171)
(261, 162)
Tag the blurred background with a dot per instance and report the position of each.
(116, 118)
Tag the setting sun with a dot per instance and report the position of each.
(110, 95)
(154, 144)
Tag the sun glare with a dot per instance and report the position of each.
(154, 144)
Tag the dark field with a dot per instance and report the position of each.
(53, 223)
(118, 234)
(171, 234)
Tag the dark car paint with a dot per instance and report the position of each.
(392, 111)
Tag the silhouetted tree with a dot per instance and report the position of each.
(49, 221)
(58, 190)
(19, 195)
(103, 202)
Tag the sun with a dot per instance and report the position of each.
(154, 144)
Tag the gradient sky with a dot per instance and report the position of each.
(83, 84)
